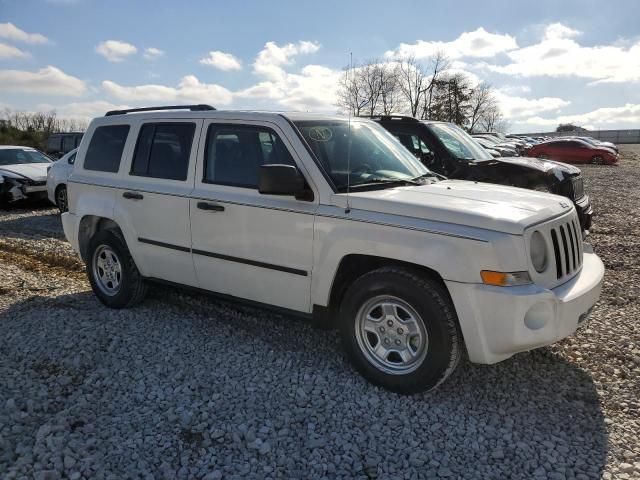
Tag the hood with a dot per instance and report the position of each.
(33, 171)
(542, 165)
(481, 205)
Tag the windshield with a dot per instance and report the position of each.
(459, 143)
(19, 156)
(372, 154)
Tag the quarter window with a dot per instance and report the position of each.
(163, 150)
(234, 154)
(105, 149)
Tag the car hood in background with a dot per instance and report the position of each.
(540, 165)
(33, 171)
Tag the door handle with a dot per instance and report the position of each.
(210, 206)
(132, 195)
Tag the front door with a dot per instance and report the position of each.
(253, 246)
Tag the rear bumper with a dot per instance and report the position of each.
(498, 322)
(70, 227)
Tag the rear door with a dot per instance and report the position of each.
(153, 205)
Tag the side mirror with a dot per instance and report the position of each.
(427, 158)
(280, 180)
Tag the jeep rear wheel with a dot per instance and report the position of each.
(113, 274)
(400, 330)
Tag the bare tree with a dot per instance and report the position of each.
(412, 82)
(351, 94)
(439, 64)
(482, 102)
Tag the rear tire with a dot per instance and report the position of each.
(61, 198)
(543, 156)
(113, 274)
(410, 314)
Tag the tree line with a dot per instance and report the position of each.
(428, 90)
(31, 129)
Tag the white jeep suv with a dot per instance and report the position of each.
(333, 219)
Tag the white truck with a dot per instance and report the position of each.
(333, 219)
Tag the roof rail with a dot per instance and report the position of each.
(391, 117)
(193, 108)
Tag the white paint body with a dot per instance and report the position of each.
(455, 228)
(59, 173)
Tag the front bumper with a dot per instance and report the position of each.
(498, 322)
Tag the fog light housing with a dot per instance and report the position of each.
(538, 316)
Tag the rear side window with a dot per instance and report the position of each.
(234, 154)
(68, 143)
(163, 150)
(53, 143)
(105, 149)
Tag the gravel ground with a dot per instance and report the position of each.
(185, 386)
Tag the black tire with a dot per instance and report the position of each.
(429, 299)
(597, 160)
(61, 198)
(543, 156)
(132, 287)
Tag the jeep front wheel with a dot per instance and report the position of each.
(113, 274)
(400, 330)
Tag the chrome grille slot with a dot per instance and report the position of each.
(564, 246)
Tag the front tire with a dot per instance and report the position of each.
(597, 160)
(400, 330)
(61, 198)
(113, 274)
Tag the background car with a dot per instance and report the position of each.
(57, 177)
(59, 144)
(503, 150)
(595, 142)
(574, 151)
(23, 173)
(450, 151)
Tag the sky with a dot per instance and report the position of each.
(550, 62)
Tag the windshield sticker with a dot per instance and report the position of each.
(320, 134)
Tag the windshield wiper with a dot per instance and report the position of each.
(374, 182)
(429, 175)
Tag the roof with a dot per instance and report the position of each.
(12, 147)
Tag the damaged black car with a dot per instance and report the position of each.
(23, 174)
(450, 151)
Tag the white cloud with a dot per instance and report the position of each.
(46, 81)
(517, 107)
(558, 54)
(152, 53)
(628, 114)
(190, 89)
(11, 32)
(9, 51)
(478, 43)
(115, 50)
(222, 61)
(272, 58)
(81, 110)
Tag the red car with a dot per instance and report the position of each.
(574, 151)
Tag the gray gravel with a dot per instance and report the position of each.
(185, 386)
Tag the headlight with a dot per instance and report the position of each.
(538, 249)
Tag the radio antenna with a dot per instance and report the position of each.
(349, 79)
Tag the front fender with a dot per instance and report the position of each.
(457, 254)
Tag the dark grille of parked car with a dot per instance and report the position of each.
(577, 185)
(572, 188)
(567, 247)
(33, 183)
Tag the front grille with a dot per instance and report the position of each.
(577, 185)
(566, 239)
(33, 183)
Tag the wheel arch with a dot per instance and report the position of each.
(88, 227)
(353, 266)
